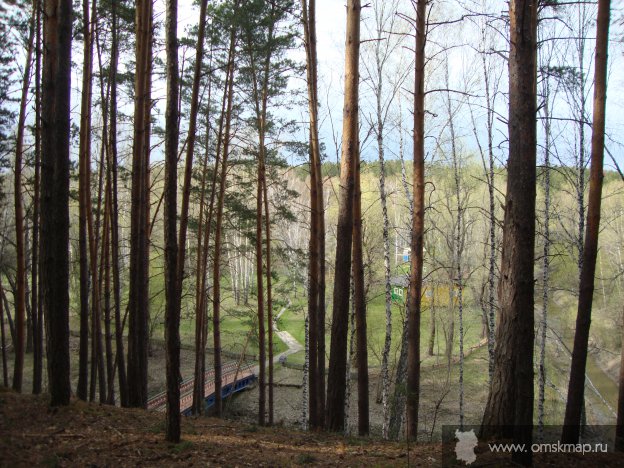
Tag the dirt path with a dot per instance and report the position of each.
(293, 345)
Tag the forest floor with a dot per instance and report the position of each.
(87, 434)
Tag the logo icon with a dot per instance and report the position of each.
(464, 448)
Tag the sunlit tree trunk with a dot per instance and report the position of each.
(316, 289)
(335, 406)
(576, 386)
(418, 226)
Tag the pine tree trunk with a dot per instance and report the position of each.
(359, 301)
(260, 294)
(112, 141)
(5, 370)
(305, 395)
(267, 223)
(576, 387)
(418, 226)
(432, 324)
(509, 410)
(55, 193)
(138, 295)
(202, 265)
(20, 273)
(316, 292)
(84, 197)
(216, 292)
(172, 282)
(190, 144)
(35, 299)
(335, 407)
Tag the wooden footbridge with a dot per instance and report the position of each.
(234, 378)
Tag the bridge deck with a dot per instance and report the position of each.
(234, 379)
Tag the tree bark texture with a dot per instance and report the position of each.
(418, 227)
(172, 289)
(336, 378)
(35, 290)
(216, 292)
(509, 410)
(138, 303)
(56, 82)
(576, 386)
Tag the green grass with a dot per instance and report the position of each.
(292, 321)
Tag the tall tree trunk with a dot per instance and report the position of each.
(112, 141)
(57, 26)
(216, 293)
(305, 390)
(576, 386)
(267, 226)
(200, 351)
(260, 293)
(316, 290)
(5, 370)
(84, 198)
(546, 259)
(107, 386)
(359, 301)
(20, 299)
(351, 358)
(172, 283)
(509, 410)
(138, 298)
(338, 348)
(260, 96)
(418, 227)
(432, 324)
(35, 292)
(202, 265)
(489, 171)
(190, 144)
(7, 311)
(397, 407)
(458, 243)
(106, 268)
(380, 131)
